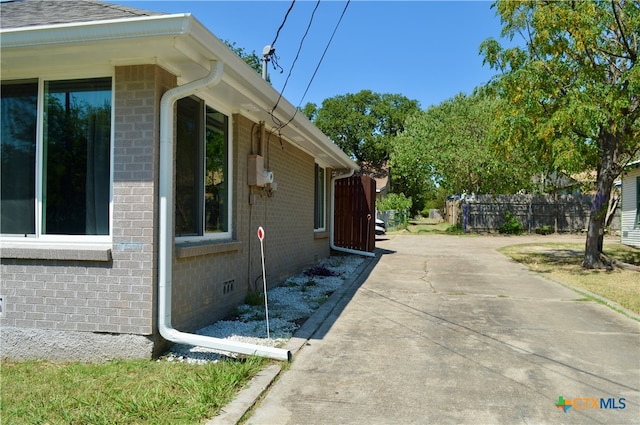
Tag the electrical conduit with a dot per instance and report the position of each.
(165, 255)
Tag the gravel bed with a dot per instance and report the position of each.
(289, 306)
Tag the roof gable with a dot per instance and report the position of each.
(26, 13)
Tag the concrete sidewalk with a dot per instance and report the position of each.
(445, 330)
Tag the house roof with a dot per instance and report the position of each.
(632, 165)
(26, 13)
(62, 37)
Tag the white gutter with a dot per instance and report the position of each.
(332, 219)
(165, 254)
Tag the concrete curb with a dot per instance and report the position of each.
(233, 412)
(259, 384)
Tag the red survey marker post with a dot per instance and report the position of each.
(264, 278)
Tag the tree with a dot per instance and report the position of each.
(572, 92)
(450, 144)
(310, 110)
(363, 124)
(251, 59)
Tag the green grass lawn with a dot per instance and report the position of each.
(424, 226)
(120, 392)
(562, 261)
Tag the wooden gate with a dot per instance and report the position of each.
(354, 213)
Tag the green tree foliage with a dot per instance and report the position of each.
(394, 201)
(364, 124)
(251, 59)
(450, 144)
(399, 203)
(310, 110)
(572, 92)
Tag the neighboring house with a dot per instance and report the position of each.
(562, 183)
(630, 217)
(139, 157)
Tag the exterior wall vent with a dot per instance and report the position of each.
(228, 286)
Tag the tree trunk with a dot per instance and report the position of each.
(608, 170)
(593, 245)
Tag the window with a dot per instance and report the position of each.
(69, 194)
(319, 199)
(202, 171)
(18, 138)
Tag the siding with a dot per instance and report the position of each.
(629, 231)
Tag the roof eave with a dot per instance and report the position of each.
(185, 29)
(110, 29)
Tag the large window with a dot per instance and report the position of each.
(202, 170)
(18, 138)
(69, 193)
(319, 199)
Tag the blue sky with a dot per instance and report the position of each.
(424, 50)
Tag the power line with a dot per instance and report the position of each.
(273, 43)
(295, 60)
(325, 52)
(319, 63)
(270, 55)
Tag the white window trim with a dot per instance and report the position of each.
(38, 237)
(324, 206)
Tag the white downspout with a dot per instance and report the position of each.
(332, 219)
(165, 254)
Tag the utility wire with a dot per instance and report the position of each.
(318, 66)
(273, 43)
(293, 64)
(271, 55)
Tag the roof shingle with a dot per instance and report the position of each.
(26, 13)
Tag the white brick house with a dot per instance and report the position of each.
(133, 151)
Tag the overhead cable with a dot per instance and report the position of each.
(273, 43)
(293, 64)
(318, 66)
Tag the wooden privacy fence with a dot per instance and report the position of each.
(486, 213)
(354, 213)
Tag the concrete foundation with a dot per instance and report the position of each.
(63, 346)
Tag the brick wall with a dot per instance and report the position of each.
(51, 290)
(83, 304)
(206, 287)
(136, 157)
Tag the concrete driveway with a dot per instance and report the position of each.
(445, 330)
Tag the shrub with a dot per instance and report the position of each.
(544, 230)
(319, 270)
(511, 225)
(255, 298)
(455, 229)
(394, 201)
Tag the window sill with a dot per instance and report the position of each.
(194, 249)
(321, 235)
(52, 251)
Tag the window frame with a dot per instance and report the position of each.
(38, 236)
(319, 211)
(207, 102)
